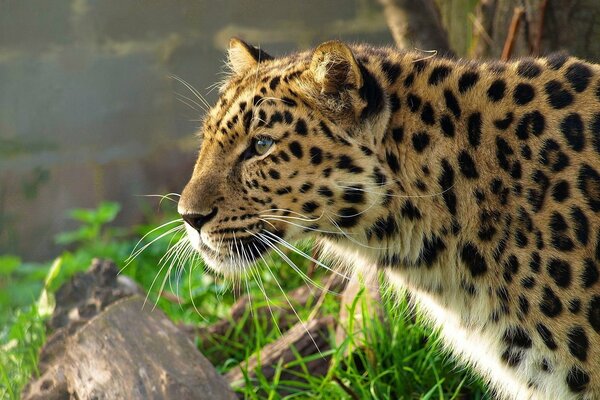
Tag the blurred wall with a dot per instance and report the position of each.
(88, 108)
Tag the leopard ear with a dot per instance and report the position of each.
(334, 67)
(243, 56)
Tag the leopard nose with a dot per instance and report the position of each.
(196, 221)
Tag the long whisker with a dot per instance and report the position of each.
(305, 255)
(288, 300)
(191, 89)
(135, 253)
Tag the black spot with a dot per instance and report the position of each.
(467, 165)
(528, 282)
(581, 225)
(446, 181)
(550, 305)
(537, 194)
(521, 239)
(366, 151)
(398, 134)
(427, 114)
(274, 82)
(545, 365)
(526, 152)
(326, 131)
(274, 174)
(410, 212)
(503, 153)
(420, 141)
(452, 103)
(574, 306)
(496, 90)
(413, 101)
(593, 313)
(301, 127)
(517, 337)
(287, 117)
(432, 248)
(504, 123)
(560, 191)
(512, 357)
(284, 156)
(316, 155)
(590, 274)
(408, 81)
(577, 379)
(391, 71)
(394, 102)
(551, 154)
(392, 161)
(384, 227)
(529, 69)
(473, 259)
(557, 60)
(348, 217)
(296, 149)
(447, 125)
(474, 129)
(371, 92)
(560, 271)
(324, 191)
(588, 182)
(546, 336)
(467, 81)
(572, 127)
(306, 187)
(523, 305)
(578, 343)
(578, 75)
(438, 74)
(354, 194)
(535, 262)
(531, 123)
(310, 206)
(378, 177)
(596, 132)
(523, 93)
(511, 267)
(276, 118)
(419, 65)
(558, 97)
(347, 163)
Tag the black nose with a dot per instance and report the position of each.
(196, 221)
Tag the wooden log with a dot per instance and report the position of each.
(107, 345)
(129, 352)
(305, 338)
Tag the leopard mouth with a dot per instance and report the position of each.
(234, 255)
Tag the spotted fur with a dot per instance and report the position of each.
(474, 185)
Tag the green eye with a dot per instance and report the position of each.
(262, 145)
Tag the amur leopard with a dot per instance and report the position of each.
(474, 185)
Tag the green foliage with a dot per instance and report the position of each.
(402, 361)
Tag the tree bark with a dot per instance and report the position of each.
(416, 24)
(547, 26)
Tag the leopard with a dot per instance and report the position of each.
(474, 185)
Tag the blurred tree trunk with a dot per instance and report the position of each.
(489, 28)
(546, 26)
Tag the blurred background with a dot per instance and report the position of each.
(89, 110)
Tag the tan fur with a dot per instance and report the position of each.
(494, 229)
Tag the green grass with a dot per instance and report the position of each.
(401, 360)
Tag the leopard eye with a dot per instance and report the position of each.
(262, 145)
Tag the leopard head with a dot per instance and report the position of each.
(289, 150)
